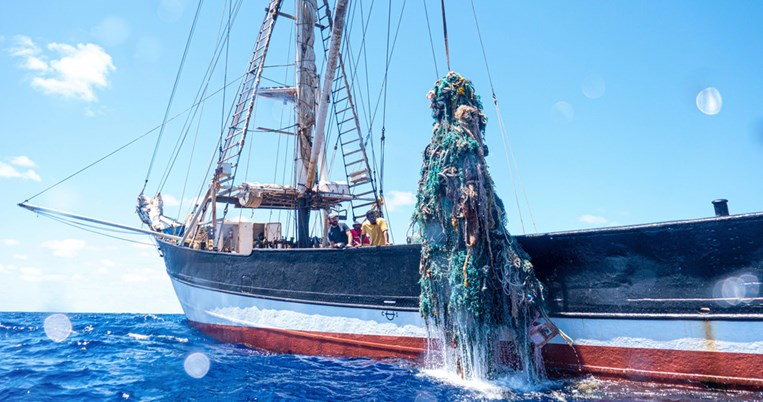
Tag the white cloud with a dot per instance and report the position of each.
(32, 274)
(593, 219)
(597, 220)
(10, 242)
(170, 200)
(143, 246)
(93, 112)
(64, 248)
(397, 199)
(7, 268)
(143, 275)
(9, 172)
(25, 48)
(107, 263)
(21, 257)
(66, 70)
(133, 278)
(23, 161)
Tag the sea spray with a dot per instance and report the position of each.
(479, 293)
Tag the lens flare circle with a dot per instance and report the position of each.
(593, 87)
(734, 290)
(196, 365)
(57, 327)
(709, 101)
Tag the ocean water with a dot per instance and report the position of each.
(159, 357)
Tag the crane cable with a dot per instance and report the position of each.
(431, 42)
(445, 33)
(508, 150)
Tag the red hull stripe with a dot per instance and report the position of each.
(666, 365)
(318, 343)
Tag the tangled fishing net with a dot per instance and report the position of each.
(479, 294)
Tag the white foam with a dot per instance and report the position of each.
(499, 388)
(139, 337)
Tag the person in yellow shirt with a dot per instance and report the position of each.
(376, 229)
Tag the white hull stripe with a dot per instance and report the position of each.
(210, 307)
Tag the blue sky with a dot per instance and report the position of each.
(598, 98)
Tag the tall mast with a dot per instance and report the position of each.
(306, 82)
(328, 80)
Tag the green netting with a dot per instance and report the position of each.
(479, 294)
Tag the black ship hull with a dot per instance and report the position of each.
(670, 301)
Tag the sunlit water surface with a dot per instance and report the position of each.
(148, 357)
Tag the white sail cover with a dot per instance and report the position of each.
(151, 213)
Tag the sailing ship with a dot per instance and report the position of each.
(672, 301)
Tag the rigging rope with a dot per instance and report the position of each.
(223, 41)
(122, 147)
(188, 169)
(172, 95)
(82, 226)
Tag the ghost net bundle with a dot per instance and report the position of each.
(479, 293)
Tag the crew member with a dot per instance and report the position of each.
(358, 238)
(376, 228)
(339, 233)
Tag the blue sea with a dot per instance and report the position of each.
(160, 357)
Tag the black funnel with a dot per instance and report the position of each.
(721, 207)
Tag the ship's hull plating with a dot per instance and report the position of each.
(677, 302)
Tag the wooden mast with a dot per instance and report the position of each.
(306, 83)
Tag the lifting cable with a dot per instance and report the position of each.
(445, 33)
(380, 204)
(384, 82)
(382, 139)
(172, 95)
(431, 43)
(504, 136)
